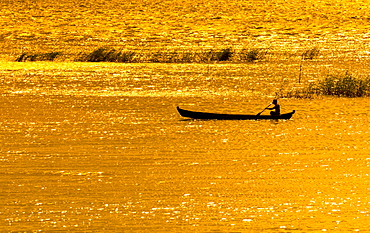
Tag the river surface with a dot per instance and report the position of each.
(100, 147)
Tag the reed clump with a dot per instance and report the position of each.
(345, 85)
(310, 54)
(173, 56)
(205, 56)
(251, 55)
(214, 55)
(106, 54)
(299, 93)
(38, 56)
(168, 56)
(162, 55)
(224, 55)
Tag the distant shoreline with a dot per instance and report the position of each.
(201, 55)
(165, 55)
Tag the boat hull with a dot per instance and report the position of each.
(216, 116)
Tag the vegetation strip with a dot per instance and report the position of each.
(108, 54)
(345, 85)
(334, 85)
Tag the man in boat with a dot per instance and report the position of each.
(276, 108)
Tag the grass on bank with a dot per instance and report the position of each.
(38, 56)
(345, 85)
(107, 54)
(166, 55)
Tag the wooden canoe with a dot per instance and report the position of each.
(216, 116)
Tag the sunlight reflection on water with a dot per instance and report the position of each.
(77, 157)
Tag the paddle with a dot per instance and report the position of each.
(262, 111)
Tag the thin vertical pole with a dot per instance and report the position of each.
(300, 71)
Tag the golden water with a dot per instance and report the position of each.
(75, 26)
(99, 147)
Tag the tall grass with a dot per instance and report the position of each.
(224, 55)
(170, 56)
(214, 55)
(107, 54)
(310, 54)
(345, 85)
(166, 55)
(38, 56)
(250, 55)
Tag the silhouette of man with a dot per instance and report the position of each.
(276, 108)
